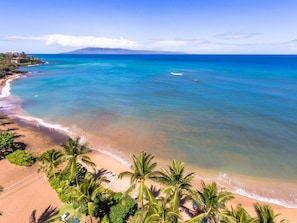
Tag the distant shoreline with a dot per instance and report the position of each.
(98, 50)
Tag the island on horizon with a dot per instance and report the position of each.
(99, 50)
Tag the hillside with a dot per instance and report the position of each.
(96, 50)
(11, 61)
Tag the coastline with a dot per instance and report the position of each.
(28, 184)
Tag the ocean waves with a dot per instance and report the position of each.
(283, 194)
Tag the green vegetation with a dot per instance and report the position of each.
(10, 62)
(49, 161)
(88, 195)
(123, 208)
(7, 144)
(21, 158)
(265, 213)
(74, 153)
(142, 170)
(177, 184)
(81, 189)
(211, 204)
(11, 150)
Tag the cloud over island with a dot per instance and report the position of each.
(86, 41)
(226, 43)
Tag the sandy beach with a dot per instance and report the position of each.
(26, 191)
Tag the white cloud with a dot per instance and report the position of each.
(234, 35)
(80, 41)
(170, 43)
(41, 38)
(293, 44)
(56, 42)
(88, 41)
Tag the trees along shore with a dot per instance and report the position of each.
(11, 61)
(90, 196)
(174, 201)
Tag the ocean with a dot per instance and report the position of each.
(230, 118)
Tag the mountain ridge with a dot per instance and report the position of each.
(99, 50)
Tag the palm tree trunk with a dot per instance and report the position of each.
(76, 180)
(141, 217)
(141, 193)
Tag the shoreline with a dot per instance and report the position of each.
(52, 137)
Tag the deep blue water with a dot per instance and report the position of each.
(229, 114)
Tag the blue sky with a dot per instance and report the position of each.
(193, 26)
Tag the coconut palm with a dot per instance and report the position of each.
(49, 161)
(178, 183)
(142, 170)
(75, 153)
(88, 192)
(160, 211)
(211, 204)
(266, 214)
(241, 215)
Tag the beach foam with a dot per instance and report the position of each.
(251, 191)
(277, 201)
(6, 89)
(112, 155)
(39, 121)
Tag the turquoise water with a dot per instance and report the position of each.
(235, 116)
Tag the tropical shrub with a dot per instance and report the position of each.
(66, 188)
(120, 212)
(21, 158)
(7, 140)
(105, 219)
(7, 144)
(63, 188)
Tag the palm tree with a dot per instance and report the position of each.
(266, 214)
(160, 211)
(177, 183)
(211, 204)
(142, 170)
(75, 153)
(88, 191)
(50, 160)
(241, 215)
